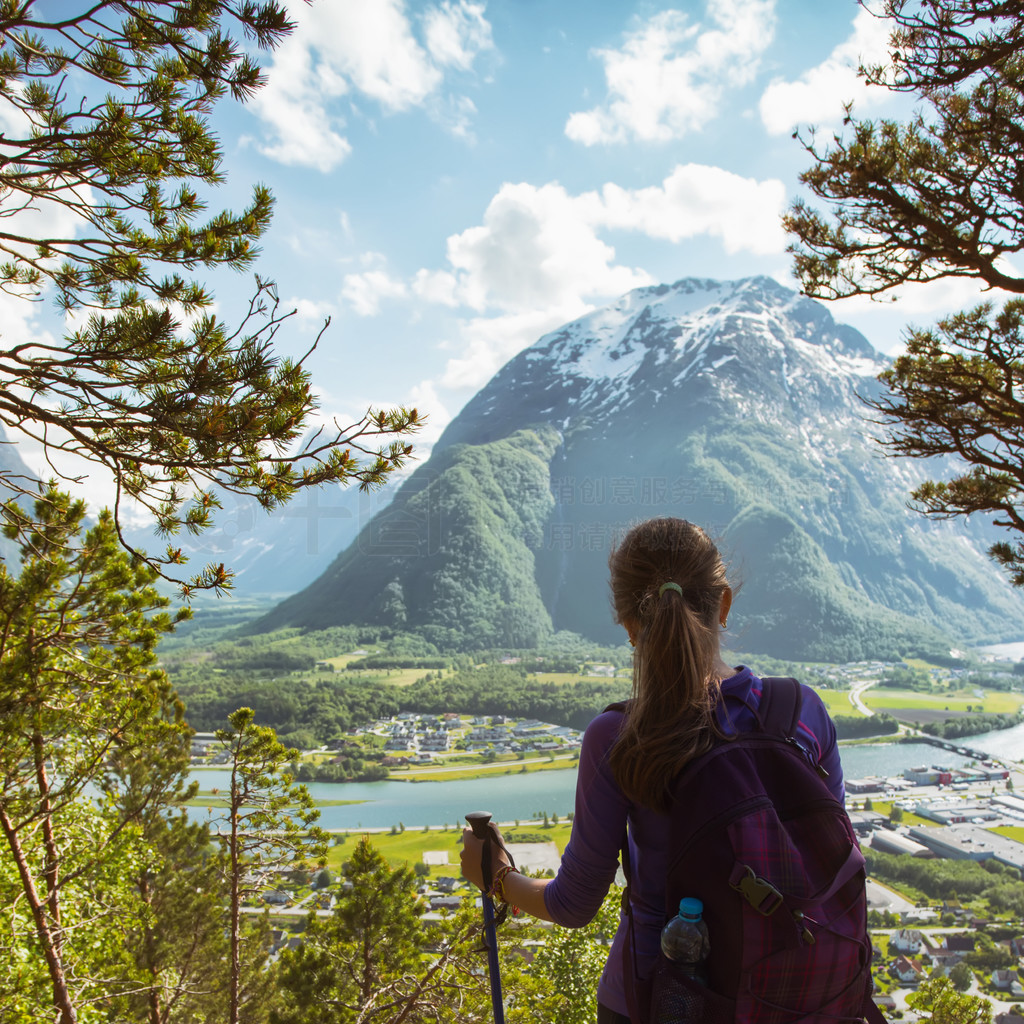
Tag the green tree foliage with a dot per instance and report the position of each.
(325, 708)
(389, 661)
(106, 129)
(366, 962)
(955, 392)
(970, 725)
(80, 699)
(178, 944)
(348, 769)
(943, 1004)
(987, 959)
(270, 823)
(509, 690)
(906, 679)
(933, 197)
(801, 594)
(561, 984)
(961, 977)
(850, 727)
(948, 879)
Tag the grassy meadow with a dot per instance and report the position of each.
(407, 848)
(958, 702)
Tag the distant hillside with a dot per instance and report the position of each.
(282, 551)
(12, 467)
(732, 404)
(455, 552)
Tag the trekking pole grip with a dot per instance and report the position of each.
(478, 823)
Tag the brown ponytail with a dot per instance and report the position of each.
(675, 684)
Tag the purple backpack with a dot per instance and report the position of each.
(759, 839)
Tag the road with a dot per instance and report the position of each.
(856, 690)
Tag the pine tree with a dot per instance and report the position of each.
(270, 824)
(106, 128)
(938, 196)
(79, 694)
(366, 962)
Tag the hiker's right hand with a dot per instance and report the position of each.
(472, 858)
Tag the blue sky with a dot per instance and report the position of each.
(456, 177)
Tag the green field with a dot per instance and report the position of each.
(478, 769)
(408, 847)
(837, 702)
(995, 701)
(350, 664)
(885, 806)
(1010, 831)
(622, 675)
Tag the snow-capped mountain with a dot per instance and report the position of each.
(715, 341)
(733, 404)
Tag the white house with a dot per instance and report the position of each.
(909, 972)
(1008, 981)
(906, 940)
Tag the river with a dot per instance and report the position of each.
(1004, 743)
(521, 795)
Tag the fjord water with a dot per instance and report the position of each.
(521, 795)
(1005, 743)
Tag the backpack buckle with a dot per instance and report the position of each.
(757, 891)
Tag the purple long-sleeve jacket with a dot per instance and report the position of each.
(602, 810)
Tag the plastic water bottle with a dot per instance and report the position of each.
(684, 940)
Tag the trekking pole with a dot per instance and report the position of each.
(478, 822)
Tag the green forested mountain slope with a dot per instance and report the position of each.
(454, 553)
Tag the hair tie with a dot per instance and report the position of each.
(670, 586)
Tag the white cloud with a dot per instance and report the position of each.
(372, 259)
(933, 300)
(424, 398)
(537, 248)
(699, 200)
(364, 292)
(364, 49)
(437, 286)
(455, 114)
(669, 76)
(371, 44)
(818, 95)
(294, 104)
(539, 259)
(540, 247)
(310, 314)
(456, 32)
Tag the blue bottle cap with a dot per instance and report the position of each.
(690, 906)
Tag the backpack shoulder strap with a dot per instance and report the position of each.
(781, 699)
